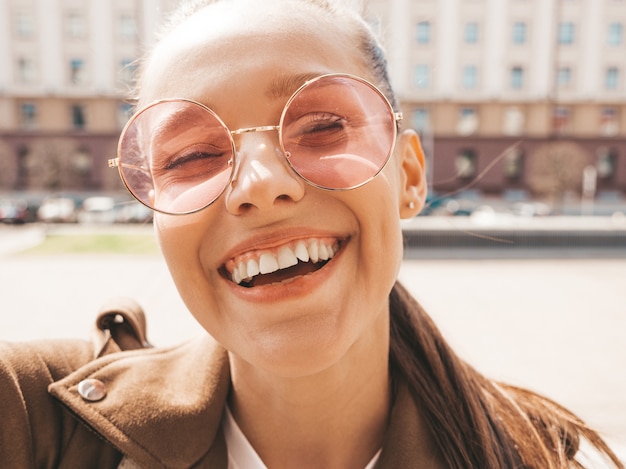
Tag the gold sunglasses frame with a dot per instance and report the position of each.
(117, 163)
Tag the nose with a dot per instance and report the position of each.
(262, 176)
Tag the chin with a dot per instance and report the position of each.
(298, 353)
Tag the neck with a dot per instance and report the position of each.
(333, 418)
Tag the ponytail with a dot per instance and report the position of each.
(474, 421)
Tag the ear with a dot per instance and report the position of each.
(413, 186)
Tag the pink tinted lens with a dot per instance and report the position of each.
(175, 156)
(338, 132)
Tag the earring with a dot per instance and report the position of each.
(411, 205)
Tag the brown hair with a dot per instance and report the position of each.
(475, 422)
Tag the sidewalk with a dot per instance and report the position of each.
(20, 238)
(554, 325)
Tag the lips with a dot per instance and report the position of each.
(289, 261)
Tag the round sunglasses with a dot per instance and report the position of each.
(177, 156)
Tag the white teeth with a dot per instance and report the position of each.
(242, 271)
(312, 250)
(268, 264)
(286, 258)
(252, 268)
(302, 252)
(237, 276)
(323, 251)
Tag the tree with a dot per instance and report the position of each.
(556, 169)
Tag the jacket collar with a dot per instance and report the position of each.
(163, 409)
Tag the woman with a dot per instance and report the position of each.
(278, 177)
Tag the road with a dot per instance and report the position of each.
(557, 325)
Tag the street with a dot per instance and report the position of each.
(556, 326)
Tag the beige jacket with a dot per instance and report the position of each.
(158, 407)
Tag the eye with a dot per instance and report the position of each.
(317, 129)
(320, 122)
(191, 156)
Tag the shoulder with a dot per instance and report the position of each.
(47, 360)
(35, 427)
(30, 417)
(150, 400)
(26, 369)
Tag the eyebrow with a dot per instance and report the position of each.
(284, 86)
(174, 122)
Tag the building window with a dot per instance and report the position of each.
(470, 77)
(423, 32)
(28, 115)
(22, 156)
(127, 28)
(78, 116)
(615, 34)
(468, 121)
(566, 33)
(519, 32)
(75, 26)
(609, 124)
(124, 113)
(421, 120)
(514, 164)
(24, 25)
(465, 164)
(560, 119)
(513, 122)
(611, 79)
(471, 33)
(564, 77)
(606, 162)
(517, 78)
(26, 73)
(77, 71)
(127, 70)
(81, 163)
(422, 76)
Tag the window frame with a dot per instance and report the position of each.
(519, 32)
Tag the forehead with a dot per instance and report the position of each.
(238, 43)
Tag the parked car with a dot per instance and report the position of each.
(435, 204)
(97, 209)
(57, 210)
(531, 209)
(133, 212)
(13, 211)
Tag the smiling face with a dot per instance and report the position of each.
(286, 276)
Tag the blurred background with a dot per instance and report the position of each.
(519, 255)
(520, 103)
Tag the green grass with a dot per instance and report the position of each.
(97, 244)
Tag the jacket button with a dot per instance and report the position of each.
(92, 390)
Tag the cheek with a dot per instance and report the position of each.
(181, 241)
(380, 228)
(167, 230)
(392, 175)
(179, 238)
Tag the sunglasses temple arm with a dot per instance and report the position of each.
(115, 163)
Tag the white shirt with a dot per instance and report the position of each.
(241, 454)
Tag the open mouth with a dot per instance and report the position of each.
(285, 264)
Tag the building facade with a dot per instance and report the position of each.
(509, 94)
(66, 70)
(511, 97)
